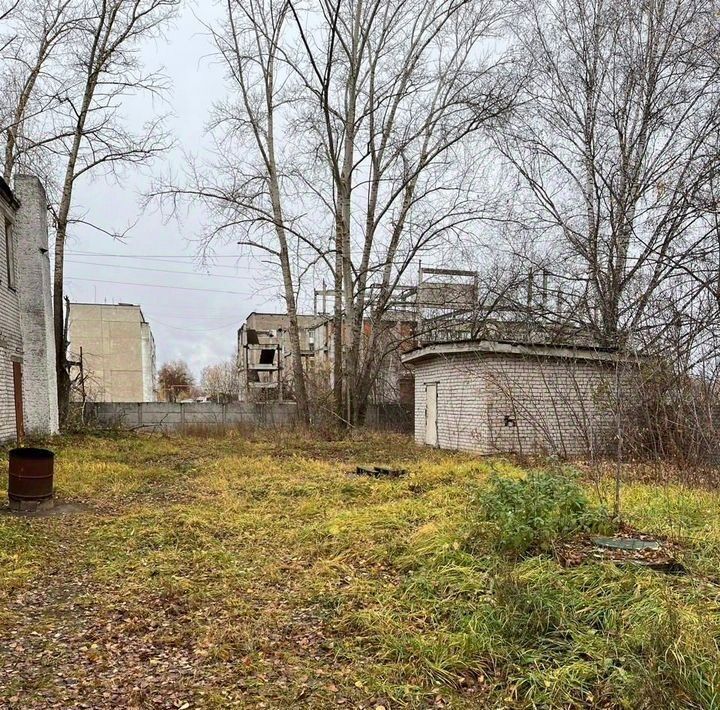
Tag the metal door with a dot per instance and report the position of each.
(431, 424)
(19, 414)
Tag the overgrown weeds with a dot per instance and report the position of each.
(283, 581)
(521, 516)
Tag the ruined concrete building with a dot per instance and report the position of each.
(114, 347)
(265, 365)
(414, 312)
(393, 381)
(264, 355)
(28, 385)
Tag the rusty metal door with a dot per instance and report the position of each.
(19, 414)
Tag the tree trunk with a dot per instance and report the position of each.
(338, 333)
(61, 344)
(299, 385)
(60, 326)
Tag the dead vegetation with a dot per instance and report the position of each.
(255, 571)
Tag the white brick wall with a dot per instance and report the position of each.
(553, 405)
(26, 315)
(462, 406)
(36, 310)
(558, 406)
(10, 338)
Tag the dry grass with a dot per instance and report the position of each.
(249, 571)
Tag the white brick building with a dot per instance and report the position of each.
(494, 397)
(28, 389)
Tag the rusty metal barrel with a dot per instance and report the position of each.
(31, 475)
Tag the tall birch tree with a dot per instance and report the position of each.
(404, 94)
(103, 70)
(347, 147)
(617, 149)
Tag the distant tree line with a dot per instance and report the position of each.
(218, 382)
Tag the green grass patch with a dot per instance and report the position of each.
(529, 514)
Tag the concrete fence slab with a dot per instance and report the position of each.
(167, 416)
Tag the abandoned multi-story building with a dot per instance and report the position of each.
(28, 385)
(392, 381)
(113, 350)
(264, 354)
(265, 365)
(414, 314)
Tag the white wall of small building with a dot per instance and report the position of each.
(462, 405)
(36, 308)
(558, 406)
(497, 403)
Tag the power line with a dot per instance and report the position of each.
(174, 288)
(151, 256)
(190, 315)
(163, 271)
(181, 260)
(189, 318)
(188, 312)
(233, 325)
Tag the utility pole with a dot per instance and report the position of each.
(82, 376)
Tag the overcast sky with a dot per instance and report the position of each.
(198, 326)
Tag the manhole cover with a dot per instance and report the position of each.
(626, 543)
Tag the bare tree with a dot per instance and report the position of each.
(246, 187)
(105, 68)
(175, 380)
(350, 151)
(7, 8)
(616, 149)
(220, 381)
(39, 30)
(400, 94)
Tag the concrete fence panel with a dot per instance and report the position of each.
(167, 416)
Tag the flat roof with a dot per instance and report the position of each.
(110, 305)
(511, 347)
(105, 305)
(283, 316)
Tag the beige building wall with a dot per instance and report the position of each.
(118, 352)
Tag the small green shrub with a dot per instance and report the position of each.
(527, 515)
